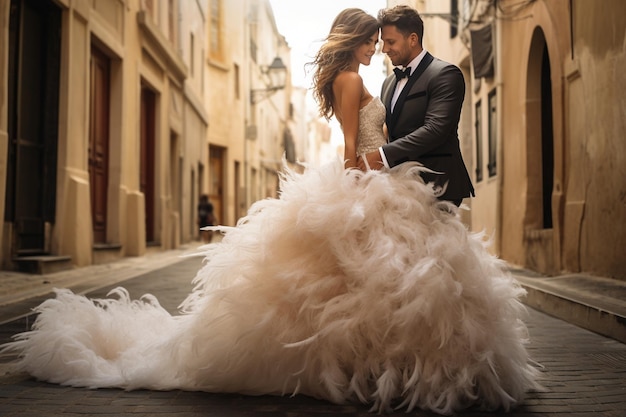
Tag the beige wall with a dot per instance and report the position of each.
(298, 124)
(142, 51)
(270, 114)
(193, 145)
(588, 95)
(586, 47)
(202, 101)
(250, 135)
(594, 159)
(225, 105)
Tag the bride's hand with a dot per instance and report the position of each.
(370, 160)
(360, 162)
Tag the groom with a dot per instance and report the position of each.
(423, 102)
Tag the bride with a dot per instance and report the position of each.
(351, 287)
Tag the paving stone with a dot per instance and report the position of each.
(583, 373)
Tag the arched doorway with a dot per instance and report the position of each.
(540, 157)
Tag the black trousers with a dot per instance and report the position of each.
(457, 202)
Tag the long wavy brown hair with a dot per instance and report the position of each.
(351, 28)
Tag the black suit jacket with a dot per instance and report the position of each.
(423, 126)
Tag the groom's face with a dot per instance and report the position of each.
(399, 49)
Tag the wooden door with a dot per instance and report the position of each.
(33, 101)
(147, 155)
(100, 75)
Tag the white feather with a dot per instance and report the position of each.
(350, 287)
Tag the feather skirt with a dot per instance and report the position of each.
(350, 287)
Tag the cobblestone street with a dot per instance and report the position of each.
(584, 374)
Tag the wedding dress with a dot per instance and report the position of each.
(350, 287)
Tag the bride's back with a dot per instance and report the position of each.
(371, 120)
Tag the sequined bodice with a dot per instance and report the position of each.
(371, 119)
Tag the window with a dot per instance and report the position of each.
(214, 28)
(479, 139)
(254, 11)
(493, 133)
(192, 53)
(454, 18)
(171, 22)
(237, 86)
(253, 50)
(465, 14)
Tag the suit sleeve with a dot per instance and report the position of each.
(445, 98)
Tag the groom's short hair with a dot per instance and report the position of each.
(405, 18)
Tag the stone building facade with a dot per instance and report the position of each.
(542, 126)
(249, 117)
(117, 115)
(101, 118)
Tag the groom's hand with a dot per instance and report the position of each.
(374, 161)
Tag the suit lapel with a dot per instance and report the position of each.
(393, 117)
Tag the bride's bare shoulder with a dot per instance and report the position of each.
(348, 83)
(348, 79)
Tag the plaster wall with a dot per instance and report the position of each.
(225, 91)
(595, 204)
(586, 46)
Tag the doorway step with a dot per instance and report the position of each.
(592, 302)
(43, 264)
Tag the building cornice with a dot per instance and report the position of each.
(156, 41)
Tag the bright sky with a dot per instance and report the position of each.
(306, 24)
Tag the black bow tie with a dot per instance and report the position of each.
(401, 73)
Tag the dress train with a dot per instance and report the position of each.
(351, 287)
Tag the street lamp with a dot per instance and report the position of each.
(277, 75)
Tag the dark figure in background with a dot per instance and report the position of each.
(205, 218)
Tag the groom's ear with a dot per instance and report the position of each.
(414, 40)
